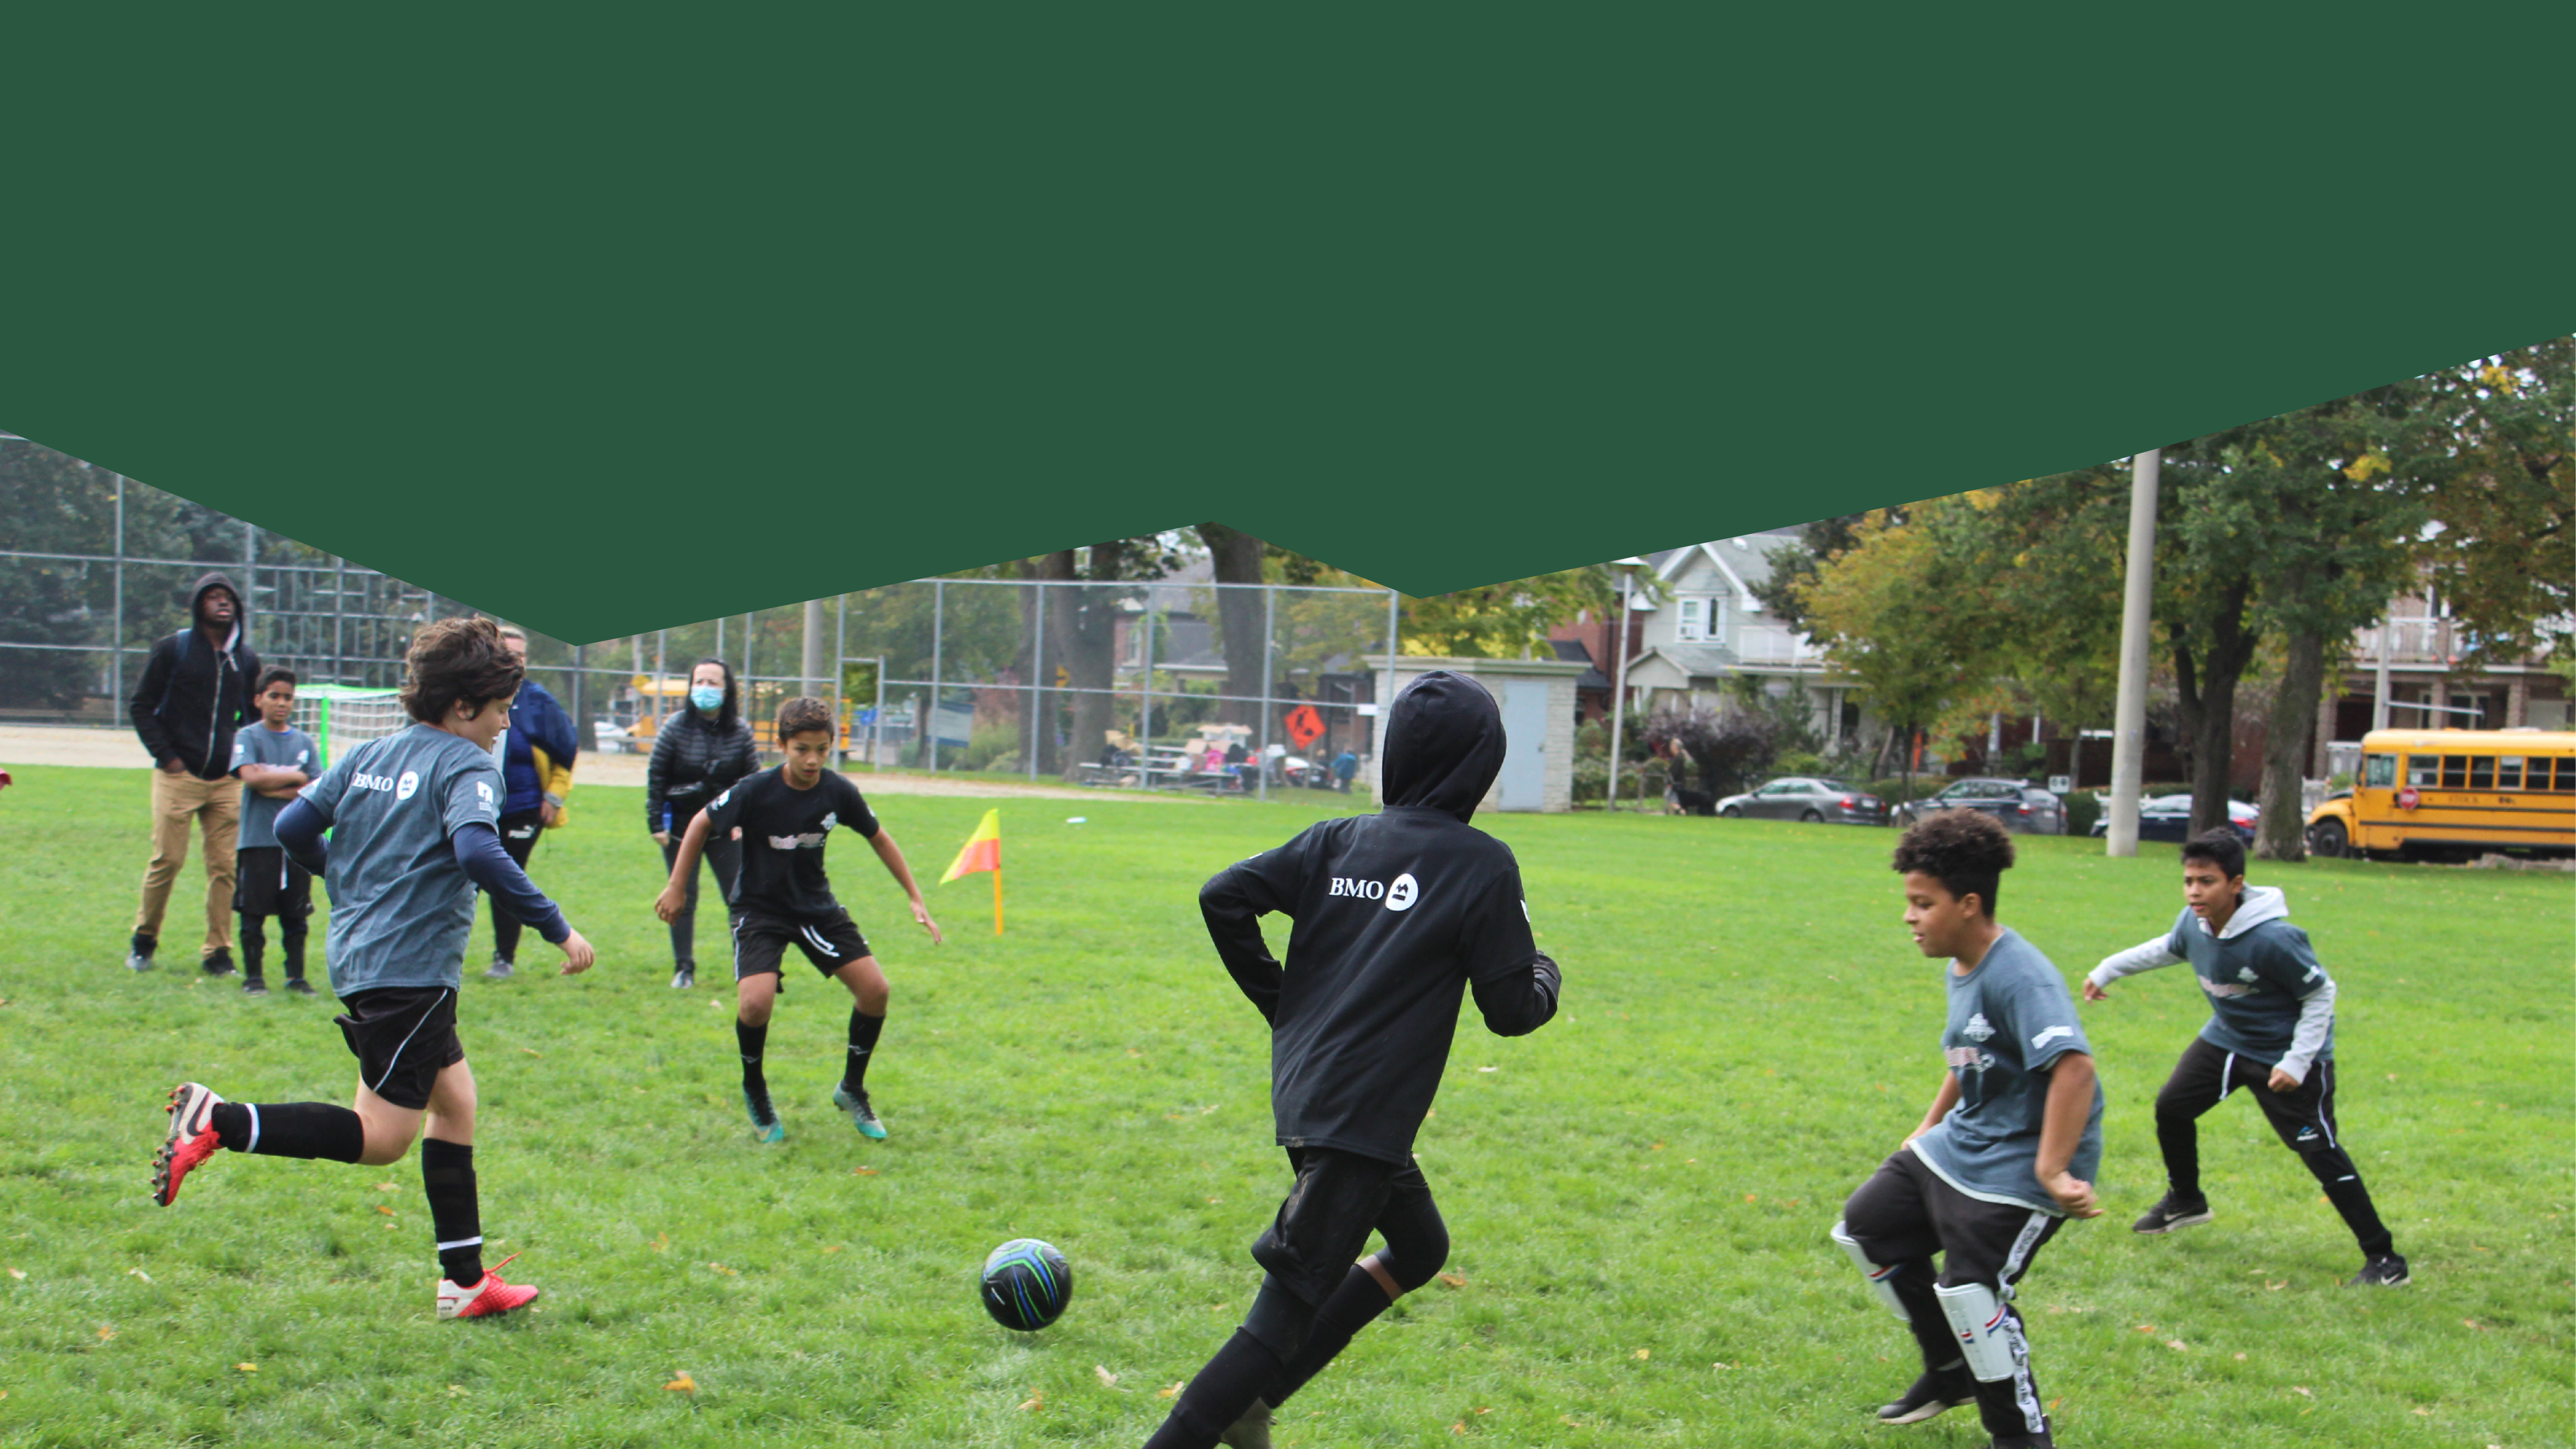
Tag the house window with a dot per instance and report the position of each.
(1694, 620)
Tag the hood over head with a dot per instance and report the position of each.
(1444, 744)
(206, 584)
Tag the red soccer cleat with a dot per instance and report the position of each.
(486, 1298)
(192, 1139)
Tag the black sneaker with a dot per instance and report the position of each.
(138, 952)
(1937, 1391)
(500, 969)
(684, 977)
(2385, 1271)
(2174, 1212)
(299, 986)
(253, 986)
(220, 964)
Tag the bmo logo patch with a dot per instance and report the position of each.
(361, 780)
(1399, 894)
(407, 785)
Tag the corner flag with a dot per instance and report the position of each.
(983, 851)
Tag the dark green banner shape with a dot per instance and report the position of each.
(614, 319)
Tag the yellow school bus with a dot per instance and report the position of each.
(2454, 793)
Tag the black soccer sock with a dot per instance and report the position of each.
(1353, 1306)
(863, 1044)
(253, 943)
(2336, 1173)
(447, 1175)
(753, 1041)
(1219, 1395)
(1913, 1282)
(291, 935)
(291, 1129)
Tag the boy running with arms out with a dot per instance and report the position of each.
(2004, 1155)
(274, 761)
(413, 820)
(1396, 915)
(783, 816)
(2271, 1028)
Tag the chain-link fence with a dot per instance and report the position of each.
(1174, 683)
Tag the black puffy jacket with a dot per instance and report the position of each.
(192, 695)
(694, 761)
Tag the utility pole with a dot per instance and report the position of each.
(1627, 568)
(2129, 717)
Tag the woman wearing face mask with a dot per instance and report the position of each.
(698, 754)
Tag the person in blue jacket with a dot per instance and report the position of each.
(534, 798)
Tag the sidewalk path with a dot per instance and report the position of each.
(52, 745)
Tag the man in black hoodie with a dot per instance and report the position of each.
(193, 694)
(1397, 915)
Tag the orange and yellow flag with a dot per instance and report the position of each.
(983, 851)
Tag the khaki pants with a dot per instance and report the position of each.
(215, 806)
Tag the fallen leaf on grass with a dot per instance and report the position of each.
(2175, 1344)
(863, 1172)
(2423, 1413)
(1107, 1379)
(721, 1268)
(1213, 1201)
(713, 1002)
(534, 1053)
(248, 1368)
(2272, 1287)
(2240, 1358)
(1173, 1392)
(832, 1248)
(682, 1385)
(388, 1212)
(385, 1187)
(105, 1333)
(2473, 1323)
(661, 1242)
(457, 1391)
(1131, 1051)
(1453, 1280)
(2302, 1391)
(1752, 1197)
(1645, 1353)
(1721, 1366)
(2146, 1328)
(1489, 1069)
(1458, 1428)
(18, 1273)
(138, 1273)
(1033, 1402)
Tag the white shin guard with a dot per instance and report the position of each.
(1875, 1273)
(1982, 1325)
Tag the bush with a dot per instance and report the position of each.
(991, 744)
(1799, 762)
(2083, 807)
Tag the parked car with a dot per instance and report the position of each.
(1810, 798)
(2019, 805)
(2168, 817)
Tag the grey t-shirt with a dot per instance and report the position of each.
(257, 744)
(2010, 1019)
(401, 907)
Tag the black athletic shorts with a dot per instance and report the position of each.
(403, 1037)
(266, 883)
(2303, 1117)
(1328, 1216)
(760, 942)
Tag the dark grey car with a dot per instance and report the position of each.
(2017, 804)
(1811, 798)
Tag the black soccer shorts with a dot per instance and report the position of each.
(266, 883)
(760, 942)
(403, 1037)
(1339, 1197)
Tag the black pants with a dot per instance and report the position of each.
(519, 836)
(1902, 1216)
(726, 856)
(2303, 1118)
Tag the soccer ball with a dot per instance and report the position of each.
(1026, 1285)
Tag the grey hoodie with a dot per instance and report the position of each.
(2269, 1000)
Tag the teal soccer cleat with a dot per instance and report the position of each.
(862, 1116)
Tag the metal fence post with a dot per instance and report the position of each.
(938, 626)
(1040, 727)
(840, 673)
(1269, 638)
(116, 659)
(1145, 699)
(339, 603)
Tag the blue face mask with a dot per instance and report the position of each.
(706, 697)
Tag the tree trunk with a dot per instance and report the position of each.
(1237, 556)
(2283, 832)
(1083, 626)
(2208, 702)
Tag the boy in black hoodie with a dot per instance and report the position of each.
(195, 691)
(1397, 914)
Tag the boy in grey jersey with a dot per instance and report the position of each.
(412, 818)
(274, 762)
(2270, 1028)
(2003, 1156)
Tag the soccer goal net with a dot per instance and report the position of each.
(338, 716)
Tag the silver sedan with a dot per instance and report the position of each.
(1810, 798)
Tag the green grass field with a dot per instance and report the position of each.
(1639, 1193)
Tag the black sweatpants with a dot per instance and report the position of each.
(519, 836)
(1902, 1216)
(1313, 1298)
(2303, 1118)
(725, 855)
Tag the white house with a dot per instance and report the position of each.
(1708, 628)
